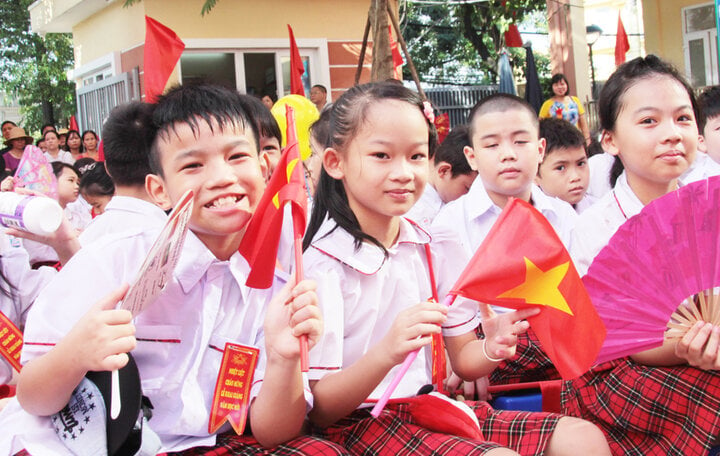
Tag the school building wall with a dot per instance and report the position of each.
(663, 28)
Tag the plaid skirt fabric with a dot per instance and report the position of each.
(394, 433)
(530, 363)
(230, 444)
(647, 410)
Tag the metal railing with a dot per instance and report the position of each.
(458, 101)
(95, 101)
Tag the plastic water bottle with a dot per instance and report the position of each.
(36, 214)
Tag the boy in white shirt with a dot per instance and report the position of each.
(506, 150)
(206, 142)
(450, 178)
(564, 171)
(128, 135)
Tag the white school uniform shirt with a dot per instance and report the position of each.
(360, 294)
(426, 208)
(180, 337)
(79, 213)
(597, 225)
(701, 168)
(62, 156)
(122, 213)
(23, 283)
(600, 166)
(458, 231)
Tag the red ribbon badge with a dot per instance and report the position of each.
(10, 342)
(232, 390)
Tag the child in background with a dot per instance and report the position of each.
(319, 134)
(506, 150)
(564, 171)
(128, 135)
(206, 142)
(270, 135)
(450, 178)
(371, 265)
(97, 187)
(648, 113)
(707, 159)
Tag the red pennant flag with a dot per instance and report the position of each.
(442, 126)
(101, 151)
(297, 68)
(73, 124)
(512, 37)
(232, 388)
(163, 49)
(396, 56)
(522, 263)
(259, 246)
(621, 43)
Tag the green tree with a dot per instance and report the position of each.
(461, 42)
(33, 68)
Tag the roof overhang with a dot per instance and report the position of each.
(60, 16)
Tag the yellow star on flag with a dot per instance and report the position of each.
(289, 170)
(541, 287)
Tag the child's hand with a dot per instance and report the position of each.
(501, 331)
(101, 339)
(293, 313)
(412, 329)
(700, 346)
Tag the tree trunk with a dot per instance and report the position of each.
(382, 64)
(48, 112)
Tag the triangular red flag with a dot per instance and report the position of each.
(396, 56)
(622, 45)
(73, 124)
(512, 37)
(297, 68)
(259, 245)
(522, 263)
(101, 151)
(163, 49)
(442, 126)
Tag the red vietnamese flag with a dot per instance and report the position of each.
(522, 263)
(513, 37)
(163, 49)
(442, 126)
(297, 68)
(259, 245)
(622, 45)
(73, 123)
(396, 56)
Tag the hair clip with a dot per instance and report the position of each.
(429, 112)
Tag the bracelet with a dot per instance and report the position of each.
(490, 358)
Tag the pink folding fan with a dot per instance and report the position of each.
(659, 270)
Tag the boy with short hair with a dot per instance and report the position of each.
(450, 178)
(128, 134)
(506, 150)
(206, 142)
(564, 171)
(707, 160)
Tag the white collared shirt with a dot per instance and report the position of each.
(600, 166)
(460, 228)
(426, 208)
(701, 168)
(361, 293)
(180, 337)
(121, 213)
(597, 225)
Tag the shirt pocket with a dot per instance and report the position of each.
(158, 348)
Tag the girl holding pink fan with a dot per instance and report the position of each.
(665, 400)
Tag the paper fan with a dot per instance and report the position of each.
(35, 173)
(658, 271)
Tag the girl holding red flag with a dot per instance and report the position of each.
(653, 402)
(373, 272)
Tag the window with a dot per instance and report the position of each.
(257, 67)
(700, 45)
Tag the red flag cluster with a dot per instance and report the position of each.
(522, 263)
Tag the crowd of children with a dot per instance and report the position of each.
(394, 219)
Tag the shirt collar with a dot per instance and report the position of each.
(629, 204)
(478, 201)
(339, 244)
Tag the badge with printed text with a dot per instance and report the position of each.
(232, 390)
(10, 342)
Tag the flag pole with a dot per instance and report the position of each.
(299, 276)
(409, 359)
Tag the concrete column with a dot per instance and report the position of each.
(568, 46)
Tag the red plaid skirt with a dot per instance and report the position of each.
(394, 433)
(230, 444)
(647, 410)
(530, 363)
